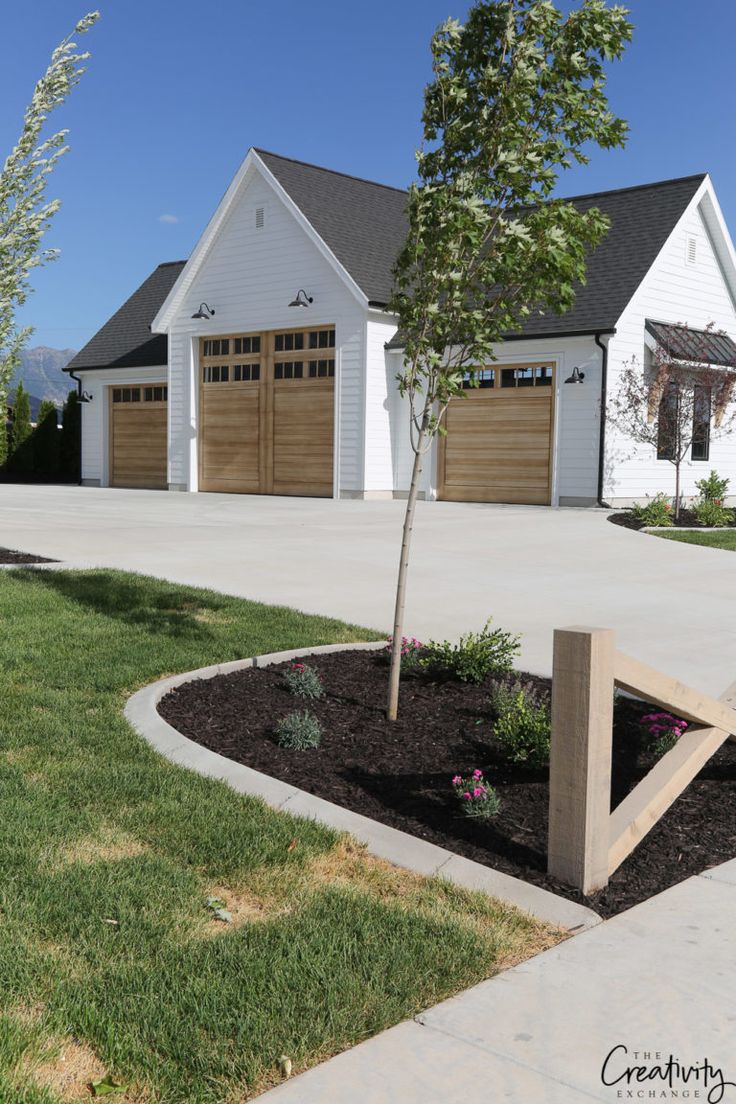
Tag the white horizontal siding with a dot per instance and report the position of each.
(673, 291)
(95, 414)
(380, 389)
(249, 276)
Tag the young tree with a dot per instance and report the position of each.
(679, 401)
(517, 95)
(25, 213)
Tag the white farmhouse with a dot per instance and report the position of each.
(266, 363)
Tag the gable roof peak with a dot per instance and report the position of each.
(333, 172)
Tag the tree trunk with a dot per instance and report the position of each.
(395, 674)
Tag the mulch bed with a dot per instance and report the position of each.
(686, 520)
(11, 556)
(400, 773)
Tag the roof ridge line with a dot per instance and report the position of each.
(333, 172)
(635, 187)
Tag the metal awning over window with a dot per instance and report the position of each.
(693, 346)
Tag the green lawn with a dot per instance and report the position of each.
(722, 538)
(110, 962)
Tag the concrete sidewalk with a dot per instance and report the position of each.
(659, 980)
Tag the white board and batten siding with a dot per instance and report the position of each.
(687, 283)
(253, 269)
(96, 414)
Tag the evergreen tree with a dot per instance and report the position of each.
(46, 441)
(70, 443)
(20, 449)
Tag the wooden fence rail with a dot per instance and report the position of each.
(587, 841)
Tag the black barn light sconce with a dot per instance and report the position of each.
(301, 299)
(576, 377)
(204, 312)
(86, 397)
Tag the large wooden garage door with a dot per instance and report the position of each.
(499, 438)
(138, 436)
(267, 412)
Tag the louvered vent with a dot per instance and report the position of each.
(259, 218)
(692, 250)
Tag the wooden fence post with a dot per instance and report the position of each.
(580, 756)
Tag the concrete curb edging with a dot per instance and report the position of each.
(383, 841)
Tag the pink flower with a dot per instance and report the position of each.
(478, 791)
(466, 796)
(297, 667)
(456, 780)
(477, 774)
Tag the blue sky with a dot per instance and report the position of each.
(176, 92)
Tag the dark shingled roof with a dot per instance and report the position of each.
(364, 224)
(695, 346)
(125, 341)
(642, 218)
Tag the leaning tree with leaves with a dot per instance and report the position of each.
(517, 95)
(679, 395)
(25, 213)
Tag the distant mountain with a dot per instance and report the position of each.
(42, 375)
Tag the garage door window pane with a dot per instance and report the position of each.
(508, 377)
(543, 377)
(479, 377)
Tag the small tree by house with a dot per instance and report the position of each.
(25, 213)
(517, 95)
(678, 403)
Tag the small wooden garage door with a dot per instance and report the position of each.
(138, 436)
(267, 412)
(499, 438)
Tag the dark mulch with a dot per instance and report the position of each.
(686, 520)
(12, 556)
(400, 773)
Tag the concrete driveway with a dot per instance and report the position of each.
(532, 568)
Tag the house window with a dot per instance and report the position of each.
(215, 373)
(527, 376)
(155, 394)
(667, 424)
(244, 373)
(287, 342)
(242, 346)
(321, 369)
(288, 369)
(217, 347)
(126, 394)
(322, 339)
(483, 377)
(701, 424)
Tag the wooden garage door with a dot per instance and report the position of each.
(267, 412)
(499, 438)
(138, 436)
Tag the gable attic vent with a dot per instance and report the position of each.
(692, 250)
(259, 218)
